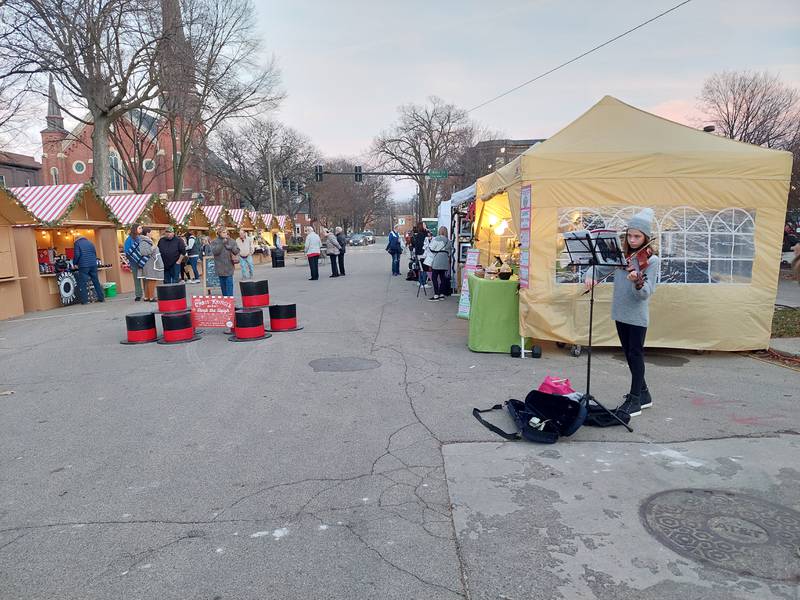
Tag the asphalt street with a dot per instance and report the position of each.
(342, 461)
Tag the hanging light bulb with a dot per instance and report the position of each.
(492, 220)
(501, 228)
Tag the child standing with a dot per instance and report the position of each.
(630, 305)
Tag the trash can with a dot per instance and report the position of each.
(110, 289)
(277, 258)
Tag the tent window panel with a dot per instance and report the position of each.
(696, 247)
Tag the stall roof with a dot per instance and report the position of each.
(47, 203)
(462, 196)
(253, 214)
(181, 210)
(128, 208)
(237, 214)
(282, 221)
(213, 213)
(267, 218)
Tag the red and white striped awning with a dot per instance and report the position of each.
(179, 210)
(237, 214)
(213, 213)
(47, 203)
(281, 221)
(267, 217)
(127, 208)
(253, 214)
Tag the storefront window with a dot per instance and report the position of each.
(696, 247)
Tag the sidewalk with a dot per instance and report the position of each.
(787, 346)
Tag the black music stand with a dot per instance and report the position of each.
(599, 248)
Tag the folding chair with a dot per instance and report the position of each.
(422, 278)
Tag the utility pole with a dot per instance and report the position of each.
(271, 182)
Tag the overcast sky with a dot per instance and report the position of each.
(347, 65)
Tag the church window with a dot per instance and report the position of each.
(79, 166)
(54, 176)
(118, 180)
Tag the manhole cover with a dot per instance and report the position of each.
(344, 363)
(727, 530)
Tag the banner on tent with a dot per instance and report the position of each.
(473, 256)
(524, 235)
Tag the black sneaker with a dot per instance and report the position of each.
(645, 400)
(631, 406)
(433, 299)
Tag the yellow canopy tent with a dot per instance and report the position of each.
(720, 208)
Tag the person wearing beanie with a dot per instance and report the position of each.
(630, 304)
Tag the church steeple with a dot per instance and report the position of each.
(55, 122)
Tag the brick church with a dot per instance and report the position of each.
(140, 154)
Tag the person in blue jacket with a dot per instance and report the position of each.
(85, 259)
(395, 248)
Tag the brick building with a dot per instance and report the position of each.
(67, 158)
(18, 170)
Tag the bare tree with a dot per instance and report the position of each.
(257, 157)
(430, 136)
(211, 74)
(101, 52)
(340, 200)
(136, 138)
(756, 108)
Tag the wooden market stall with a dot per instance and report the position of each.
(187, 215)
(130, 209)
(12, 214)
(241, 219)
(284, 229)
(217, 215)
(62, 214)
(268, 222)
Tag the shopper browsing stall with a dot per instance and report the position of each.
(85, 259)
(153, 270)
(245, 245)
(224, 249)
(172, 249)
(633, 289)
(440, 252)
(131, 249)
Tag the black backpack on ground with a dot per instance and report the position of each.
(557, 416)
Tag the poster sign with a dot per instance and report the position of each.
(473, 256)
(210, 277)
(212, 311)
(524, 236)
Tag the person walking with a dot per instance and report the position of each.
(245, 244)
(313, 248)
(224, 249)
(153, 270)
(172, 249)
(441, 251)
(135, 260)
(395, 249)
(342, 239)
(333, 248)
(193, 253)
(630, 306)
(85, 258)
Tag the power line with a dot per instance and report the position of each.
(580, 56)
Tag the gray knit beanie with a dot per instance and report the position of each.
(643, 221)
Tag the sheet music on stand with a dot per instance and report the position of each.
(597, 247)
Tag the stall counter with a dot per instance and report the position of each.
(493, 314)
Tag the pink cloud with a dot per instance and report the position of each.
(680, 111)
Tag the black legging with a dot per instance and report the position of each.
(632, 339)
(439, 276)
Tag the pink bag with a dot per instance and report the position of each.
(556, 386)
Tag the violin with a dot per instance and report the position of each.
(642, 256)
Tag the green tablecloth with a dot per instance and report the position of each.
(493, 314)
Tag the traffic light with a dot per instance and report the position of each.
(318, 173)
(359, 176)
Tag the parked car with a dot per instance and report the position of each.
(369, 236)
(358, 239)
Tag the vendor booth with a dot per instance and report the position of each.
(283, 229)
(62, 214)
(216, 215)
(458, 216)
(269, 223)
(719, 207)
(187, 216)
(12, 213)
(241, 219)
(140, 209)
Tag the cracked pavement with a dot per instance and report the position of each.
(217, 471)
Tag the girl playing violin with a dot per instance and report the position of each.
(630, 306)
